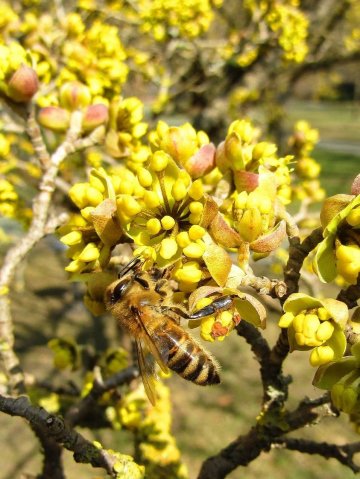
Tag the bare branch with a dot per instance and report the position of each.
(344, 454)
(297, 253)
(350, 295)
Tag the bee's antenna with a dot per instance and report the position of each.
(131, 265)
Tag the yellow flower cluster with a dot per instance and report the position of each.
(165, 218)
(12, 56)
(91, 53)
(66, 353)
(352, 35)
(253, 214)
(241, 152)
(307, 169)
(94, 56)
(315, 327)
(182, 143)
(91, 235)
(176, 18)
(8, 20)
(159, 207)
(125, 131)
(348, 260)
(157, 448)
(8, 199)
(291, 25)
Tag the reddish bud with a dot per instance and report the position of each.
(202, 162)
(23, 84)
(54, 118)
(246, 180)
(222, 161)
(74, 95)
(355, 187)
(95, 115)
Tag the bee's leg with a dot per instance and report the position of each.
(159, 285)
(132, 265)
(141, 281)
(218, 304)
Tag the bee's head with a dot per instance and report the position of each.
(116, 291)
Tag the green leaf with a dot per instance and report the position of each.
(251, 310)
(325, 260)
(329, 374)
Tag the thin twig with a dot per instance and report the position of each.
(78, 411)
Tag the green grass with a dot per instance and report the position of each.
(338, 151)
(337, 170)
(336, 121)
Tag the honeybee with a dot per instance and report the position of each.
(139, 301)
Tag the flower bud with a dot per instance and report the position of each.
(194, 250)
(167, 222)
(168, 248)
(201, 162)
(23, 84)
(159, 161)
(355, 187)
(90, 253)
(95, 115)
(54, 118)
(74, 95)
(153, 226)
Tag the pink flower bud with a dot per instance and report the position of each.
(246, 180)
(355, 187)
(202, 161)
(23, 84)
(222, 162)
(54, 118)
(74, 95)
(95, 115)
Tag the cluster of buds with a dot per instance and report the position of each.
(73, 96)
(165, 18)
(18, 80)
(248, 160)
(342, 379)
(339, 252)
(189, 148)
(126, 129)
(166, 218)
(316, 325)
(291, 26)
(91, 235)
(307, 169)
(8, 199)
(157, 446)
(66, 353)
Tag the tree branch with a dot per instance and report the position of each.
(54, 427)
(344, 454)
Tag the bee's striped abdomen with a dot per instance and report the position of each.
(188, 359)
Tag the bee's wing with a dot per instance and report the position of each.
(147, 372)
(155, 346)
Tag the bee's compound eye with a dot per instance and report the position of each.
(119, 291)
